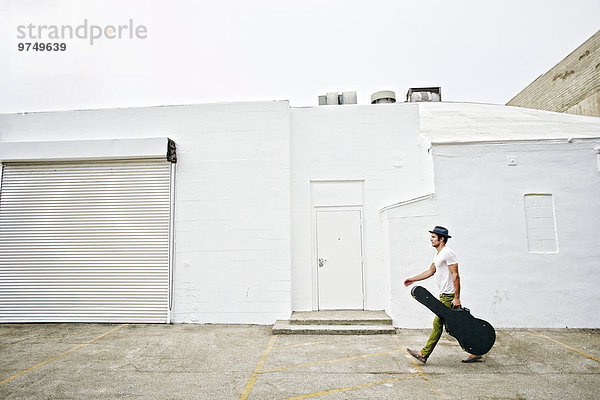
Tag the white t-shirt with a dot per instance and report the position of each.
(441, 261)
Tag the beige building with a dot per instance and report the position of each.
(571, 86)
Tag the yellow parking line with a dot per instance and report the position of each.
(257, 368)
(566, 346)
(419, 368)
(61, 355)
(298, 345)
(414, 362)
(345, 389)
(329, 361)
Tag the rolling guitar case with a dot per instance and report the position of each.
(474, 335)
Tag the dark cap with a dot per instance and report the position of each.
(440, 231)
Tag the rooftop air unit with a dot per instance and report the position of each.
(383, 96)
(424, 94)
(335, 98)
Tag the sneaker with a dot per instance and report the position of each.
(472, 358)
(417, 355)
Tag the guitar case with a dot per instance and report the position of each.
(474, 335)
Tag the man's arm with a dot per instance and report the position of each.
(421, 276)
(456, 281)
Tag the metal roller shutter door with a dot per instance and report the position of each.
(85, 242)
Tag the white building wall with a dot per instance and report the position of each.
(410, 253)
(480, 199)
(376, 144)
(232, 198)
(244, 228)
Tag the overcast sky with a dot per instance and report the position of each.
(187, 52)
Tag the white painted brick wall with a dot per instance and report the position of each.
(539, 217)
(233, 198)
(481, 200)
(374, 143)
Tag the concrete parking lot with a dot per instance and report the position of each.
(132, 361)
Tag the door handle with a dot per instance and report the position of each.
(322, 262)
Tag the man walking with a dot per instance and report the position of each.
(445, 264)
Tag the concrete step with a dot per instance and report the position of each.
(283, 327)
(342, 322)
(340, 317)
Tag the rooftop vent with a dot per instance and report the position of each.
(424, 94)
(335, 98)
(383, 96)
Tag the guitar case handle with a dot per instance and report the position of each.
(461, 308)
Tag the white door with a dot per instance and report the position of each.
(339, 260)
